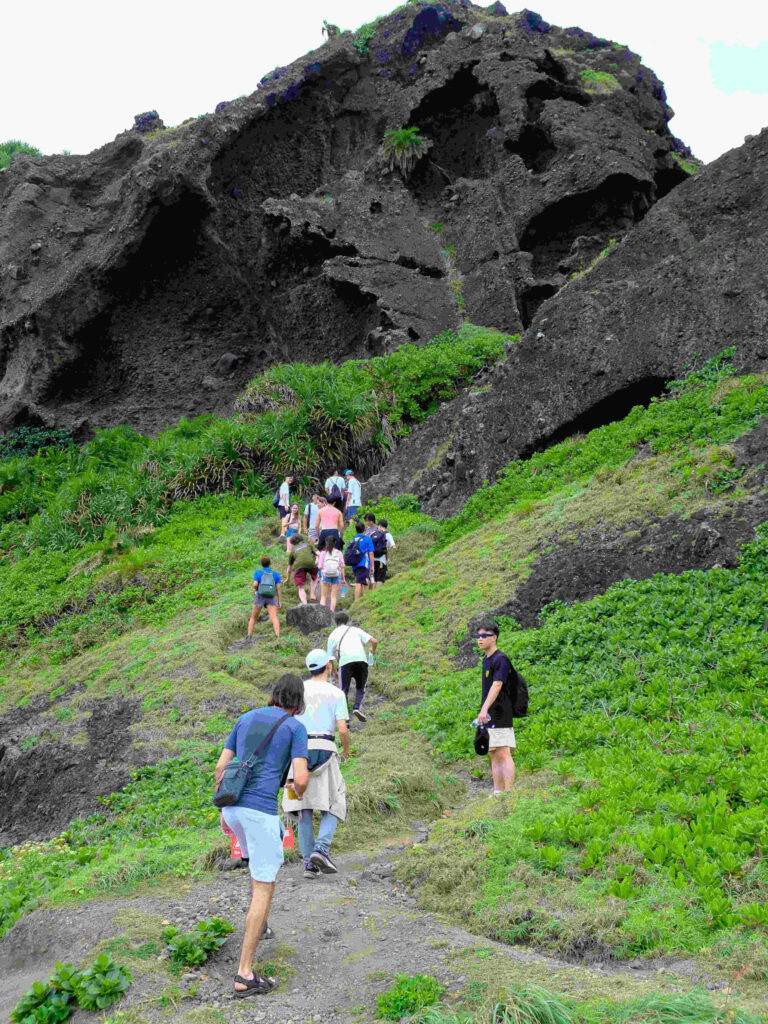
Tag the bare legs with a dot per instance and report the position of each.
(271, 611)
(502, 769)
(258, 912)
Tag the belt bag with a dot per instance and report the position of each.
(237, 774)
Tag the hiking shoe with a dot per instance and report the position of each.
(360, 714)
(311, 871)
(323, 862)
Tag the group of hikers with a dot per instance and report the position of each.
(314, 542)
(296, 735)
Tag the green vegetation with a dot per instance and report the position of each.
(402, 148)
(600, 256)
(96, 988)
(601, 83)
(190, 949)
(30, 440)
(689, 165)
(409, 994)
(10, 148)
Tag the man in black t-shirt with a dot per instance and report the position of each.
(499, 691)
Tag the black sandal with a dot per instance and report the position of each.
(255, 986)
(266, 933)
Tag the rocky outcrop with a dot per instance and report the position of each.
(684, 285)
(154, 277)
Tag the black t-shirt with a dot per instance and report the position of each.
(498, 666)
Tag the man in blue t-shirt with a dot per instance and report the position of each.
(254, 818)
(266, 594)
(364, 566)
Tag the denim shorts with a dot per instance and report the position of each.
(331, 579)
(261, 840)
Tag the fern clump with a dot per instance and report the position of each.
(402, 148)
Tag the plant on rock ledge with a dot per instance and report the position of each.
(402, 148)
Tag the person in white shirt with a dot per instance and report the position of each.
(310, 518)
(350, 647)
(284, 493)
(380, 561)
(325, 711)
(354, 496)
(335, 490)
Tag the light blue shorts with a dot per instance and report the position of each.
(261, 840)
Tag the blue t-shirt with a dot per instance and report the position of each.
(289, 741)
(260, 572)
(365, 544)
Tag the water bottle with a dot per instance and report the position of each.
(475, 724)
(343, 591)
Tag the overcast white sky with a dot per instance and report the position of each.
(76, 72)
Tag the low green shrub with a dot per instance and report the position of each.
(10, 148)
(96, 988)
(409, 994)
(190, 949)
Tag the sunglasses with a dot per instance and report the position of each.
(483, 636)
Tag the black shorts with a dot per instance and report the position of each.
(362, 575)
(357, 670)
(324, 534)
(379, 572)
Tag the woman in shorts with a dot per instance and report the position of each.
(292, 522)
(330, 562)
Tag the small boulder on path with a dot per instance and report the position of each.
(309, 618)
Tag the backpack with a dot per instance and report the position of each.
(335, 493)
(332, 563)
(267, 587)
(352, 553)
(276, 499)
(520, 709)
(379, 540)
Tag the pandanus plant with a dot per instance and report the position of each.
(402, 148)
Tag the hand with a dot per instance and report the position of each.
(483, 717)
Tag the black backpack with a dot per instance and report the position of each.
(352, 553)
(520, 709)
(335, 493)
(379, 539)
(276, 499)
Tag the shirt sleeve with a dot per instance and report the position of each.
(231, 743)
(277, 576)
(365, 637)
(501, 670)
(342, 711)
(390, 541)
(299, 741)
(257, 575)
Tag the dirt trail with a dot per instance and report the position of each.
(348, 935)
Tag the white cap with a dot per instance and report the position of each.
(317, 659)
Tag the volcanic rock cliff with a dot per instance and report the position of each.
(154, 277)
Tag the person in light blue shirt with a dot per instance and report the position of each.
(354, 498)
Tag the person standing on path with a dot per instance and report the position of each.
(359, 556)
(334, 490)
(354, 498)
(254, 818)
(381, 553)
(325, 711)
(302, 557)
(330, 522)
(266, 594)
(284, 497)
(330, 562)
(292, 522)
(310, 519)
(499, 692)
(349, 646)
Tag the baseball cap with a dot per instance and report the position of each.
(348, 472)
(316, 659)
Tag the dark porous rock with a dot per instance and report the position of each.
(682, 286)
(166, 247)
(751, 456)
(588, 563)
(310, 618)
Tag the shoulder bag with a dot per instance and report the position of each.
(237, 774)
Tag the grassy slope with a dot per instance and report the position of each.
(173, 654)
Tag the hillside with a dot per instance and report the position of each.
(153, 278)
(577, 864)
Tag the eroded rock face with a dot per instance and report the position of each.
(154, 277)
(686, 283)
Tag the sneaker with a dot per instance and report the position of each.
(323, 862)
(311, 871)
(266, 932)
(360, 714)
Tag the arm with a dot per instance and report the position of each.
(373, 643)
(221, 764)
(341, 724)
(493, 693)
(300, 774)
(279, 589)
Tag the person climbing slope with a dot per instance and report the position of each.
(266, 594)
(350, 647)
(302, 557)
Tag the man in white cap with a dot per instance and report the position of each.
(325, 712)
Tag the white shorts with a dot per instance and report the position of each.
(261, 840)
(502, 738)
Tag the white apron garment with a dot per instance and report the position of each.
(327, 791)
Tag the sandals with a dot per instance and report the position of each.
(267, 933)
(255, 986)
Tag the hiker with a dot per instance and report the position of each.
(499, 691)
(325, 711)
(291, 522)
(266, 594)
(254, 818)
(354, 497)
(284, 497)
(330, 562)
(335, 490)
(309, 524)
(350, 647)
(359, 556)
(380, 549)
(302, 557)
(330, 522)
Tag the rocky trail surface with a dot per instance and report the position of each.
(339, 941)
